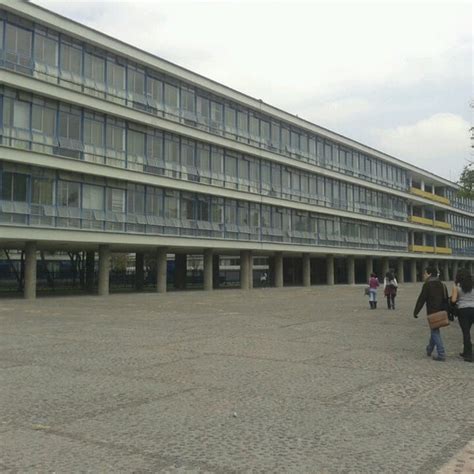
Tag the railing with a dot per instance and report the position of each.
(430, 222)
(431, 196)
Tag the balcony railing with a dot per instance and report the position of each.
(430, 222)
(430, 196)
(430, 249)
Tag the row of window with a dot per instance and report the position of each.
(460, 223)
(38, 198)
(48, 127)
(462, 246)
(49, 56)
(460, 202)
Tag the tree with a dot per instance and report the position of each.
(466, 181)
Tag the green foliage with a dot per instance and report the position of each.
(466, 181)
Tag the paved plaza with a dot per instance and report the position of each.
(270, 380)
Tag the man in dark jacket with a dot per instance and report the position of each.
(434, 294)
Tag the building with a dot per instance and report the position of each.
(106, 148)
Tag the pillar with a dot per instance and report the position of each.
(245, 265)
(330, 269)
(445, 272)
(250, 269)
(351, 270)
(30, 271)
(139, 271)
(180, 270)
(90, 267)
(104, 269)
(413, 275)
(400, 271)
(278, 262)
(208, 270)
(469, 267)
(215, 270)
(306, 269)
(455, 269)
(385, 267)
(369, 267)
(161, 270)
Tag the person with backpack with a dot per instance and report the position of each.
(390, 286)
(463, 296)
(435, 295)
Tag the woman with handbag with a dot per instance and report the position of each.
(435, 295)
(463, 296)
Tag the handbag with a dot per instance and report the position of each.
(438, 320)
(367, 291)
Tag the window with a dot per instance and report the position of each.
(115, 77)
(115, 200)
(42, 191)
(231, 166)
(265, 131)
(217, 210)
(69, 126)
(188, 101)
(43, 120)
(21, 115)
(243, 123)
(14, 187)
(217, 115)
(92, 197)
(46, 50)
(115, 138)
(136, 85)
(187, 153)
(171, 97)
(254, 128)
(135, 143)
(285, 138)
(94, 132)
(71, 59)
(136, 199)
(203, 112)
(230, 119)
(187, 206)
(68, 194)
(203, 208)
(171, 204)
(18, 44)
(154, 91)
(171, 149)
(275, 135)
(94, 69)
(154, 202)
(231, 212)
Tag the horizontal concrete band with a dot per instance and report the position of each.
(15, 237)
(81, 32)
(13, 155)
(57, 92)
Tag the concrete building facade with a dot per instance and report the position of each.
(106, 148)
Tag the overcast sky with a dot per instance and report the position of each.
(395, 75)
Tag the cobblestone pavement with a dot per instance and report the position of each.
(273, 380)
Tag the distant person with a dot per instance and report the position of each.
(390, 286)
(263, 279)
(434, 295)
(463, 296)
(373, 285)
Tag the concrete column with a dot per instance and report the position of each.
(278, 262)
(90, 267)
(104, 269)
(306, 269)
(161, 270)
(469, 267)
(385, 267)
(330, 269)
(208, 270)
(250, 270)
(400, 271)
(455, 269)
(351, 270)
(29, 291)
(445, 272)
(245, 269)
(139, 271)
(369, 267)
(413, 274)
(215, 270)
(180, 270)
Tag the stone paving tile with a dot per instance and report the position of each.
(151, 383)
(461, 463)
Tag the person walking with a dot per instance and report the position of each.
(373, 285)
(463, 296)
(390, 286)
(434, 295)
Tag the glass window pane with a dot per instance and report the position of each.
(21, 115)
(92, 197)
(42, 191)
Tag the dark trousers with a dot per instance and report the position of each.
(466, 320)
(390, 301)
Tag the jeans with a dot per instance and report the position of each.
(466, 320)
(372, 294)
(435, 341)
